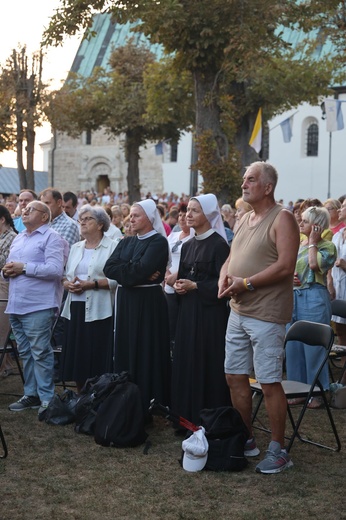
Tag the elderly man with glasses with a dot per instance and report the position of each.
(34, 271)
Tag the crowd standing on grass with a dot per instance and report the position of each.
(183, 293)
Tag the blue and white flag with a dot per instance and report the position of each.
(286, 127)
(159, 148)
(335, 120)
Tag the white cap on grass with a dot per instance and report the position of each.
(195, 451)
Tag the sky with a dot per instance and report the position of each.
(23, 22)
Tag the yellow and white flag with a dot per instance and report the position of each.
(256, 136)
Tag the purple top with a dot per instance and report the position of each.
(44, 252)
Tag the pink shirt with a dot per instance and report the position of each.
(337, 228)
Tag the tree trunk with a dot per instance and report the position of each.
(30, 152)
(208, 111)
(19, 150)
(30, 132)
(132, 144)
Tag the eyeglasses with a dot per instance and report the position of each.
(176, 246)
(31, 209)
(85, 219)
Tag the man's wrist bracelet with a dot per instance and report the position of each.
(96, 284)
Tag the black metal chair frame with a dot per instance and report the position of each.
(8, 347)
(338, 309)
(313, 334)
(4, 445)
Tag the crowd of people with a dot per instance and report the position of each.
(189, 296)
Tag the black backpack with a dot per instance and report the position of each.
(226, 434)
(93, 393)
(120, 418)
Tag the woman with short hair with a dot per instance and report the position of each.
(311, 298)
(88, 310)
(333, 206)
(241, 207)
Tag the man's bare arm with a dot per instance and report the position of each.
(223, 282)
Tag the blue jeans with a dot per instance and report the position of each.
(32, 333)
(302, 361)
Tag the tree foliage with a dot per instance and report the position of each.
(22, 100)
(120, 101)
(238, 55)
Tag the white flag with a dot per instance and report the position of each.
(335, 121)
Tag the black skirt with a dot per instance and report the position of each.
(87, 346)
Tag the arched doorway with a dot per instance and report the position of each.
(102, 183)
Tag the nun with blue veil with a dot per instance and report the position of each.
(142, 343)
(198, 379)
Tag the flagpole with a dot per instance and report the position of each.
(329, 163)
(273, 127)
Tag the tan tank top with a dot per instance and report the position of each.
(253, 251)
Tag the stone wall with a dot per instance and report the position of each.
(77, 166)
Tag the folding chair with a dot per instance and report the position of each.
(338, 351)
(4, 445)
(57, 349)
(314, 335)
(6, 343)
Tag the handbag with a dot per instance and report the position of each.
(61, 409)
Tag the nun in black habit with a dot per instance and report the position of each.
(142, 343)
(198, 379)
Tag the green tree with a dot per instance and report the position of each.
(238, 55)
(22, 98)
(121, 102)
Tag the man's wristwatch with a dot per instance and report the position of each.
(24, 269)
(249, 286)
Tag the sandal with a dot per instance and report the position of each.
(316, 403)
(296, 401)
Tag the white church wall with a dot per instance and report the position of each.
(176, 175)
(301, 176)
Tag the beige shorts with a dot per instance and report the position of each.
(254, 345)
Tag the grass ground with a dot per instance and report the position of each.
(54, 473)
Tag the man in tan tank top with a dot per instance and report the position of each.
(258, 277)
